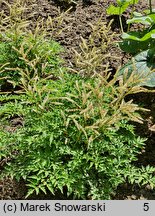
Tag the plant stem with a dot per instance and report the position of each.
(150, 5)
(120, 20)
(133, 9)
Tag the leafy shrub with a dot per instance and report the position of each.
(30, 58)
(80, 140)
(138, 42)
(27, 50)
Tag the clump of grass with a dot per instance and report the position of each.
(93, 55)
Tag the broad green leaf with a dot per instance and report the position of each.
(152, 16)
(134, 47)
(142, 64)
(112, 10)
(146, 20)
(132, 36)
(122, 6)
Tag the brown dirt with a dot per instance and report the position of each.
(76, 25)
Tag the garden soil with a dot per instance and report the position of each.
(76, 25)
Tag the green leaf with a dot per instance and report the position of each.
(135, 47)
(146, 20)
(142, 64)
(50, 188)
(122, 6)
(42, 187)
(133, 36)
(51, 138)
(30, 191)
(112, 10)
(37, 190)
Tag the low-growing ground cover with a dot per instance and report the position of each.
(67, 123)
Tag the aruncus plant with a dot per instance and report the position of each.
(27, 53)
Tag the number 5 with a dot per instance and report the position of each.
(146, 207)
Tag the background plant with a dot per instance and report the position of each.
(121, 7)
(140, 39)
(141, 42)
